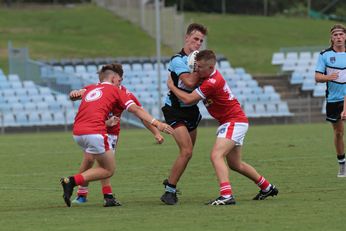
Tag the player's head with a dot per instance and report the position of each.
(205, 63)
(112, 73)
(194, 37)
(337, 35)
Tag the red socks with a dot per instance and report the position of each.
(263, 183)
(225, 189)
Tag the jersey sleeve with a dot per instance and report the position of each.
(135, 100)
(124, 100)
(321, 65)
(206, 88)
(178, 66)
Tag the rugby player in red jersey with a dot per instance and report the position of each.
(90, 132)
(113, 131)
(225, 108)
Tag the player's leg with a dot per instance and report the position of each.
(98, 146)
(107, 191)
(220, 149)
(82, 192)
(338, 129)
(235, 162)
(185, 141)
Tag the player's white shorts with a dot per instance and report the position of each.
(96, 143)
(233, 131)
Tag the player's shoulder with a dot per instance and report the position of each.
(325, 51)
(181, 54)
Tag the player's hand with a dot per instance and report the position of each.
(163, 127)
(112, 121)
(159, 139)
(170, 82)
(76, 94)
(343, 115)
(333, 76)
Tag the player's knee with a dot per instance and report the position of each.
(235, 167)
(110, 173)
(339, 134)
(186, 153)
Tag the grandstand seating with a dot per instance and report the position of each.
(24, 103)
(27, 104)
(140, 77)
(301, 66)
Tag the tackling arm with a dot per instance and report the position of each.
(158, 137)
(190, 80)
(187, 98)
(143, 115)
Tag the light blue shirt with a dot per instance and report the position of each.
(330, 61)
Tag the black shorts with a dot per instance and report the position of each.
(188, 116)
(334, 111)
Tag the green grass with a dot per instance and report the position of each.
(299, 159)
(88, 31)
(83, 31)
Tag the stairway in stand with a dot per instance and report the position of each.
(305, 107)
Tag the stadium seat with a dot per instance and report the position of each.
(22, 119)
(41, 106)
(13, 78)
(308, 85)
(91, 68)
(58, 118)
(271, 109)
(70, 115)
(34, 118)
(30, 107)
(224, 64)
(32, 91)
(46, 118)
(28, 84)
(278, 58)
(283, 109)
(8, 120)
(17, 107)
(260, 110)
(249, 110)
(319, 90)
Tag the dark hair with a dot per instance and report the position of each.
(198, 27)
(115, 67)
(206, 55)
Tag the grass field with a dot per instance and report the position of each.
(299, 159)
(87, 31)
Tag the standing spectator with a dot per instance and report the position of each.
(225, 108)
(330, 69)
(184, 118)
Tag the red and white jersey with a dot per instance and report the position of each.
(219, 100)
(117, 111)
(97, 102)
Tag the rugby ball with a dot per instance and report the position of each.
(191, 60)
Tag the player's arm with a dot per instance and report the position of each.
(187, 98)
(76, 94)
(157, 135)
(322, 78)
(190, 80)
(144, 115)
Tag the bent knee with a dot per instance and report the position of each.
(186, 153)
